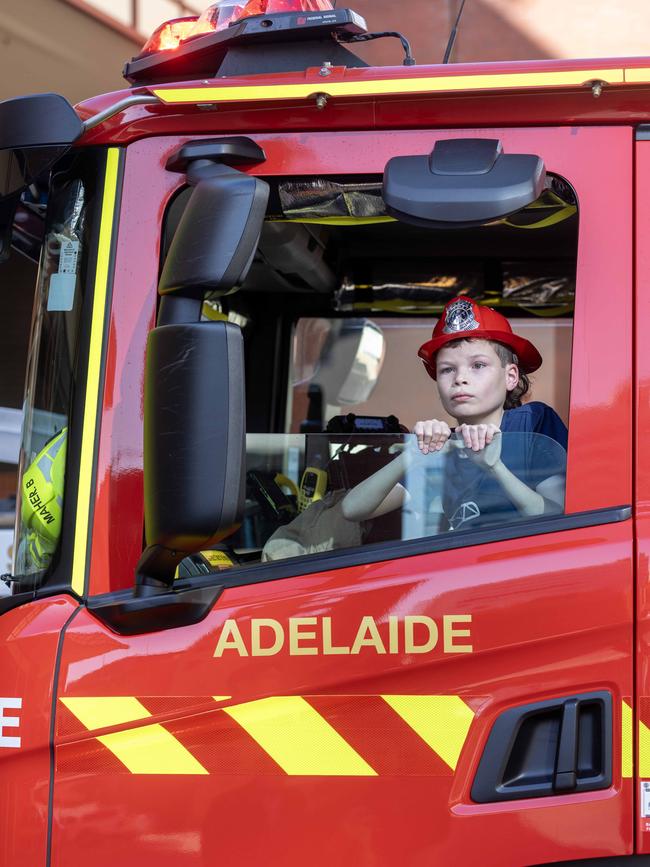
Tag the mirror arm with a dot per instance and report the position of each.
(179, 309)
(156, 570)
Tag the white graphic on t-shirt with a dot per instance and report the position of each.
(465, 512)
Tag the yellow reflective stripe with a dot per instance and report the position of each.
(152, 750)
(94, 368)
(298, 738)
(433, 84)
(221, 697)
(557, 217)
(99, 713)
(442, 721)
(635, 76)
(627, 750)
(147, 749)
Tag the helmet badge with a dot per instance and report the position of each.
(460, 317)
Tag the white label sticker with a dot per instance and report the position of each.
(68, 256)
(61, 293)
(645, 800)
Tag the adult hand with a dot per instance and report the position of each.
(431, 435)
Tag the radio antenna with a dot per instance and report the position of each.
(454, 33)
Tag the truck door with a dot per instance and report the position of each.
(51, 541)
(642, 719)
(439, 698)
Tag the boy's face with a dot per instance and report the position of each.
(472, 382)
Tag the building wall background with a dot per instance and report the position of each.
(78, 47)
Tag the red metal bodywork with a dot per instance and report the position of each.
(29, 638)
(547, 622)
(619, 103)
(601, 391)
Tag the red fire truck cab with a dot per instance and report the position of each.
(202, 660)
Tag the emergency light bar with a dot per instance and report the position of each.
(197, 47)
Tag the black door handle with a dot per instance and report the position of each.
(551, 747)
(566, 770)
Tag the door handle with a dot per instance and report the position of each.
(552, 747)
(566, 771)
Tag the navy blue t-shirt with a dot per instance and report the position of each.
(534, 444)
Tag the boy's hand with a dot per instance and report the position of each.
(431, 435)
(483, 441)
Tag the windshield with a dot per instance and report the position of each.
(52, 369)
(313, 493)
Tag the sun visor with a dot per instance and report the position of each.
(463, 182)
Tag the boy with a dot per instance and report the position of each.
(480, 368)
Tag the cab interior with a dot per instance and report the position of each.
(336, 278)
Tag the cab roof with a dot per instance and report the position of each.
(546, 92)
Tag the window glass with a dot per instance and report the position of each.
(52, 369)
(319, 345)
(309, 494)
(340, 299)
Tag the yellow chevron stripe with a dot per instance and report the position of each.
(627, 741)
(429, 84)
(152, 750)
(298, 738)
(99, 713)
(100, 293)
(442, 721)
(145, 750)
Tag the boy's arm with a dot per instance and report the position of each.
(547, 498)
(380, 493)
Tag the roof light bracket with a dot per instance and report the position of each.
(262, 44)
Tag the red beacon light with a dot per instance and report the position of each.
(172, 34)
(226, 12)
(278, 35)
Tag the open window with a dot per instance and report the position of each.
(338, 299)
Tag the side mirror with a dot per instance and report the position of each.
(195, 409)
(354, 357)
(463, 182)
(217, 236)
(194, 443)
(35, 131)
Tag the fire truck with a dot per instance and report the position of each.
(239, 255)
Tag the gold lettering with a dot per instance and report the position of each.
(410, 622)
(230, 639)
(328, 648)
(450, 633)
(368, 636)
(296, 636)
(393, 635)
(256, 638)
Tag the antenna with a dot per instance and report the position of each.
(454, 33)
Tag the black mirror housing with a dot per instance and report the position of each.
(218, 234)
(35, 131)
(194, 441)
(463, 182)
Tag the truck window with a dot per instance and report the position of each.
(53, 369)
(338, 300)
